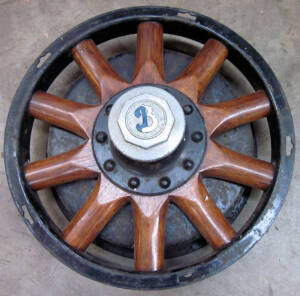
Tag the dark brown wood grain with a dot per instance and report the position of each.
(149, 66)
(149, 213)
(224, 163)
(104, 79)
(74, 117)
(223, 116)
(196, 77)
(75, 164)
(201, 209)
(103, 203)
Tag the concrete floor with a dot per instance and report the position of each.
(272, 26)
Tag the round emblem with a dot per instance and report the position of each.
(145, 119)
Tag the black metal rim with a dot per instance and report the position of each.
(107, 26)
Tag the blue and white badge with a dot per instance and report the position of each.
(142, 123)
(145, 119)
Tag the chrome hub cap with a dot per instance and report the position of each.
(146, 124)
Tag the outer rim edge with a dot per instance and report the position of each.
(159, 280)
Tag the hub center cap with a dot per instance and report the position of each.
(145, 118)
(144, 142)
(146, 123)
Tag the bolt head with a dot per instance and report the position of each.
(107, 109)
(188, 109)
(197, 137)
(164, 182)
(134, 183)
(109, 165)
(101, 137)
(188, 164)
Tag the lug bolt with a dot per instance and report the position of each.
(197, 137)
(188, 164)
(134, 183)
(107, 109)
(109, 165)
(188, 109)
(101, 137)
(164, 182)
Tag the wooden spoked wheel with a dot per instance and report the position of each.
(33, 101)
(149, 211)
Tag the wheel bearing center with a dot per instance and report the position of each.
(154, 164)
(146, 123)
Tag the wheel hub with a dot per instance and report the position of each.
(157, 157)
(142, 124)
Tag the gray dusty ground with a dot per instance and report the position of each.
(272, 26)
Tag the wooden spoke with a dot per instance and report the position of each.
(104, 79)
(102, 204)
(149, 66)
(74, 117)
(149, 213)
(223, 116)
(195, 201)
(226, 164)
(75, 164)
(196, 77)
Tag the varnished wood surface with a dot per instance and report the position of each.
(104, 79)
(72, 165)
(71, 116)
(196, 202)
(149, 67)
(102, 204)
(199, 73)
(149, 211)
(226, 115)
(149, 214)
(226, 164)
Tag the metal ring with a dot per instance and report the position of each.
(111, 25)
